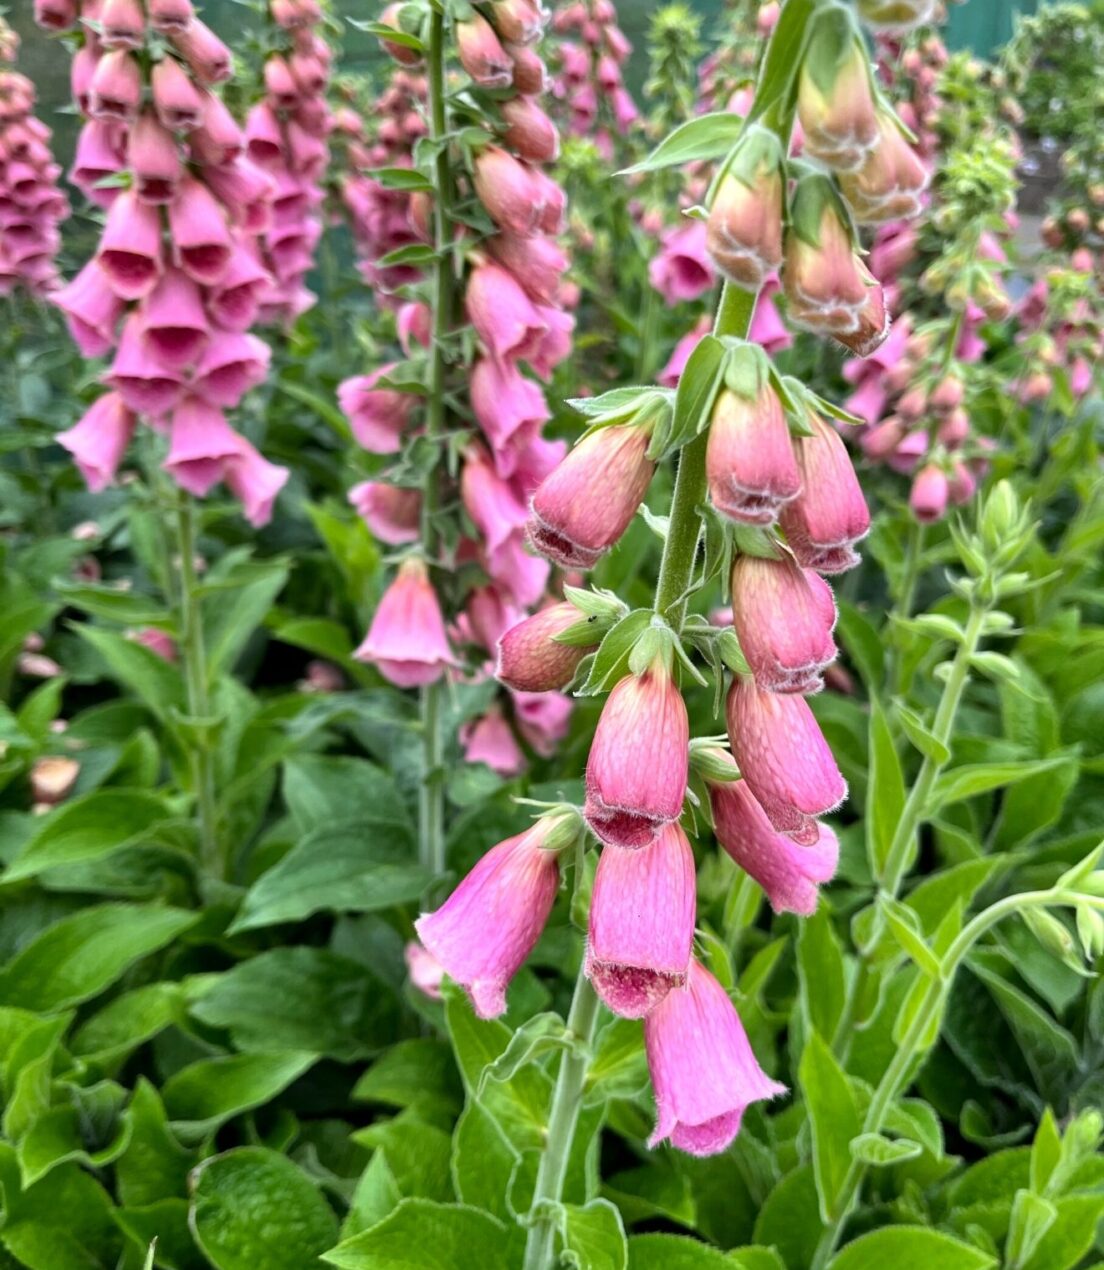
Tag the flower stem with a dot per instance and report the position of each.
(431, 801)
(684, 527)
(562, 1120)
(902, 846)
(193, 654)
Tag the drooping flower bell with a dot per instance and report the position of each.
(836, 95)
(584, 506)
(639, 759)
(787, 872)
(892, 179)
(750, 463)
(784, 758)
(744, 230)
(823, 524)
(99, 440)
(641, 924)
(487, 927)
(784, 616)
(407, 639)
(702, 1067)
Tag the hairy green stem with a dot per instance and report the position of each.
(431, 804)
(902, 1066)
(582, 1019)
(902, 846)
(193, 655)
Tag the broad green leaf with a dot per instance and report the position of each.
(88, 828)
(1046, 1152)
(376, 1195)
(981, 778)
(421, 1235)
(304, 999)
(595, 1234)
(537, 1036)
(413, 1073)
(129, 608)
(674, 1252)
(59, 1136)
(864, 645)
(885, 791)
(29, 1069)
(252, 1207)
(833, 1119)
(346, 868)
(150, 677)
(321, 790)
(234, 606)
(63, 1222)
(707, 137)
(697, 391)
(619, 1068)
(81, 955)
(789, 1219)
(910, 1248)
(1032, 1217)
(200, 1097)
(129, 1021)
(820, 965)
(417, 1154)
(154, 1166)
(755, 1259)
(1070, 1237)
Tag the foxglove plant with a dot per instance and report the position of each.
(766, 473)
(31, 202)
(174, 286)
(484, 217)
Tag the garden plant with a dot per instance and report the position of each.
(552, 676)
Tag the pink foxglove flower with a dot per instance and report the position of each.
(377, 416)
(490, 740)
(838, 120)
(485, 930)
(509, 190)
(504, 317)
(99, 440)
(744, 230)
(702, 1067)
(481, 54)
(530, 659)
(175, 327)
(392, 513)
(586, 504)
(784, 616)
(830, 515)
(788, 873)
(130, 255)
(638, 765)
(91, 310)
(750, 462)
(641, 925)
(407, 639)
(784, 758)
(930, 493)
(682, 269)
(891, 181)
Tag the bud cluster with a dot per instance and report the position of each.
(176, 281)
(588, 83)
(31, 203)
(514, 297)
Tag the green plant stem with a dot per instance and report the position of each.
(193, 655)
(684, 527)
(902, 846)
(431, 801)
(582, 1019)
(897, 1074)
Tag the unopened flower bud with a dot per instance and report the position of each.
(928, 497)
(824, 278)
(744, 230)
(481, 54)
(401, 53)
(889, 184)
(830, 515)
(53, 779)
(835, 101)
(750, 462)
(531, 659)
(584, 506)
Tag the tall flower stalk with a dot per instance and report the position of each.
(459, 422)
(171, 292)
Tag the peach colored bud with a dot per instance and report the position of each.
(529, 657)
(53, 779)
(889, 184)
(750, 463)
(744, 230)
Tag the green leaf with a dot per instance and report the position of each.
(305, 999)
(1070, 1237)
(885, 790)
(126, 607)
(151, 678)
(789, 1218)
(707, 137)
(864, 645)
(417, 1154)
(163, 1228)
(63, 1222)
(154, 1166)
(406, 179)
(537, 1036)
(611, 661)
(596, 1235)
(202, 1096)
(81, 955)
(980, 778)
(1032, 1217)
(1046, 1152)
(833, 1119)
(674, 1252)
(823, 980)
(921, 735)
(321, 790)
(59, 1136)
(878, 1151)
(339, 867)
(234, 605)
(87, 828)
(905, 925)
(698, 386)
(129, 1021)
(413, 1073)
(910, 1248)
(252, 1207)
(422, 1235)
